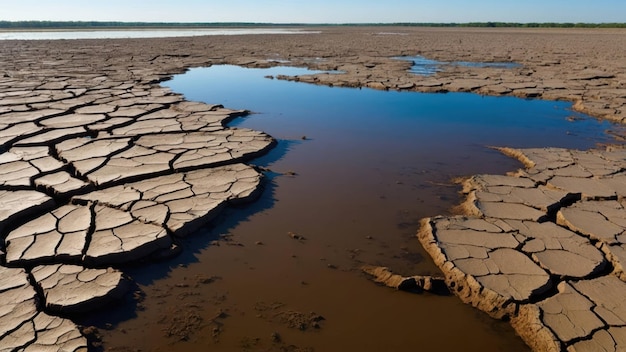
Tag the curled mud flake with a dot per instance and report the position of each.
(182, 202)
(589, 188)
(529, 325)
(295, 236)
(120, 169)
(589, 219)
(28, 116)
(512, 211)
(573, 171)
(542, 158)
(571, 264)
(127, 111)
(570, 314)
(560, 251)
(606, 293)
(158, 153)
(47, 164)
(505, 197)
(485, 225)
(27, 153)
(177, 192)
(591, 74)
(243, 189)
(61, 184)
(51, 136)
(464, 251)
(416, 283)
(541, 198)
(150, 212)
(119, 238)
(116, 197)
(88, 155)
(96, 109)
(22, 204)
(74, 289)
(151, 126)
(483, 181)
(72, 120)
(16, 173)
(488, 277)
(488, 240)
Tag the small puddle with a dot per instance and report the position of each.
(353, 173)
(427, 67)
(486, 64)
(421, 65)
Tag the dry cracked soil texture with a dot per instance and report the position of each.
(101, 166)
(543, 247)
(97, 172)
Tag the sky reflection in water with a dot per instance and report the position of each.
(367, 119)
(427, 67)
(140, 33)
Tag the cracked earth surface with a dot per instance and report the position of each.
(100, 165)
(94, 177)
(542, 247)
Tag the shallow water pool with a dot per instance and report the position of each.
(353, 173)
(418, 122)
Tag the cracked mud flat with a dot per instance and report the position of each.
(101, 166)
(543, 247)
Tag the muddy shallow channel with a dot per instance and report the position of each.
(353, 172)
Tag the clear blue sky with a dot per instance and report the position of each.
(316, 11)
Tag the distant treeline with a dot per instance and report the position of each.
(519, 25)
(98, 24)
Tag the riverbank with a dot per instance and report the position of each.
(111, 129)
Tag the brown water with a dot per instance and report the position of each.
(258, 287)
(359, 191)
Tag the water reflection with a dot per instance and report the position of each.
(369, 164)
(369, 124)
(56, 34)
(427, 67)
(422, 66)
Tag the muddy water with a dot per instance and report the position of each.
(353, 173)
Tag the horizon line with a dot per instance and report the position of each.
(195, 23)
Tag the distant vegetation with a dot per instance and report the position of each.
(105, 25)
(520, 25)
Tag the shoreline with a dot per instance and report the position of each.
(597, 84)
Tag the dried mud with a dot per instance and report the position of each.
(215, 294)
